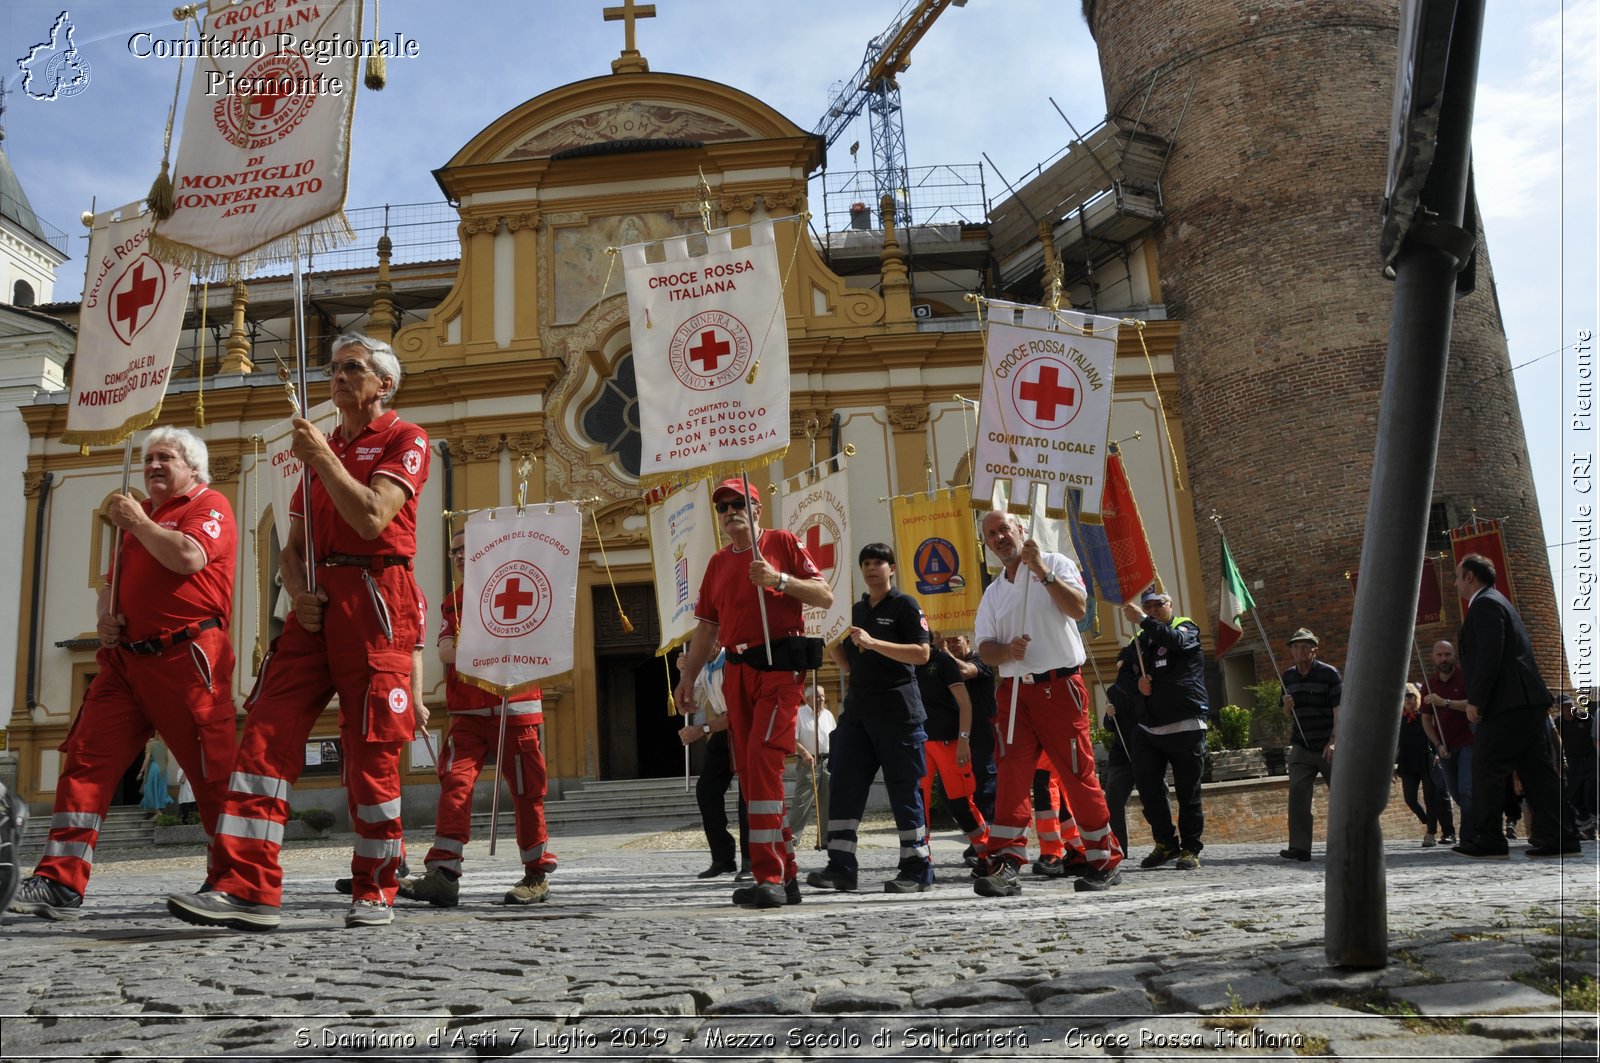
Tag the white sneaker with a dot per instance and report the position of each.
(369, 913)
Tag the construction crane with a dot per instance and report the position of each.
(874, 89)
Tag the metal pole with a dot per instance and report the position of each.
(1356, 929)
(755, 551)
(116, 543)
(499, 774)
(1016, 680)
(305, 411)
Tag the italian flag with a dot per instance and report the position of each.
(1236, 602)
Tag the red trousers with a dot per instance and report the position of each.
(1052, 717)
(363, 654)
(184, 694)
(521, 764)
(761, 713)
(959, 786)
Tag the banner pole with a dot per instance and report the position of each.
(755, 549)
(499, 774)
(1016, 681)
(304, 396)
(116, 543)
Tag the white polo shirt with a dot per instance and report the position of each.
(1054, 639)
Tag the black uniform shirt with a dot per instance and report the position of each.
(874, 678)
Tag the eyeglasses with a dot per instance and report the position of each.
(352, 368)
(736, 502)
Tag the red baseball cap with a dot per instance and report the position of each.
(736, 485)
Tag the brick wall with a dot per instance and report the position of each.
(1269, 256)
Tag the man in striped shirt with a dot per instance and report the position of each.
(1311, 692)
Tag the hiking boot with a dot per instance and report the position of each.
(768, 894)
(369, 913)
(223, 909)
(47, 899)
(902, 884)
(1187, 861)
(1159, 855)
(1095, 881)
(1002, 883)
(1429, 841)
(831, 878)
(436, 887)
(533, 889)
(1074, 865)
(1048, 867)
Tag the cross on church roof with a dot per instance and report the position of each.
(630, 62)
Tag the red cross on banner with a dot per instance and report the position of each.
(709, 351)
(140, 293)
(513, 599)
(1046, 393)
(821, 552)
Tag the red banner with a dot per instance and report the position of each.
(1430, 602)
(1483, 537)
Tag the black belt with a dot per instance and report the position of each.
(151, 647)
(376, 562)
(1051, 673)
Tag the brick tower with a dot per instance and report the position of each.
(1269, 256)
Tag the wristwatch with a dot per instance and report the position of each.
(1048, 578)
(963, 734)
(783, 581)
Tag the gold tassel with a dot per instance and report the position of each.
(627, 625)
(377, 63)
(160, 197)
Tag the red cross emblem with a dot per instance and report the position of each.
(709, 351)
(135, 298)
(821, 552)
(1047, 393)
(515, 600)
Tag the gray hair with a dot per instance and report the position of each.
(384, 363)
(189, 446)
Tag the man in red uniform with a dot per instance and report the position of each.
(474, 729)
(363, 483)
(165, 663)
(763, 699)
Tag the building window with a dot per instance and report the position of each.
(612, 418)
(22, 294)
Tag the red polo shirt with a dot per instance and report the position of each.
(464, 697)
(387, 447)
(729, 600)
(156, 599)
(1452, 722)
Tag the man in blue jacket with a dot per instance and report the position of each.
(1172, 728)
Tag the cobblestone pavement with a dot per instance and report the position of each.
(634, 958)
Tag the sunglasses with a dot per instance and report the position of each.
(737, 502)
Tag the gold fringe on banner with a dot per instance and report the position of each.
(514, 689)
(113, 436)
(719, 471)
(328, 233)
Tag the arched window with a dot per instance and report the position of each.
(22, 294)
(612, 418)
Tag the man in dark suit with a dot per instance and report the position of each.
(1509, 704)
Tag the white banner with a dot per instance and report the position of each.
(128, 328)
(521, 596)
(682, 539)
(702, 328)
(819, 517)
(265, 151)
(1046, 404)
(283, 469)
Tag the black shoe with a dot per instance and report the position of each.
(1480, 852)
(1566, 849)
(47, 899)
(719, 867)
(969, 856)
(1048, 867)
(1511, 834)
(343, 885)
(1073, 865)
(831, 878)
(906, 885)
(1301, 855)
(768, 894)
(1002, 883)
(1095, 881)
(1447, 839)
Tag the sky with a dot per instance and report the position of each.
(981, 83)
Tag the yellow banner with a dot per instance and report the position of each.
(937, 546)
